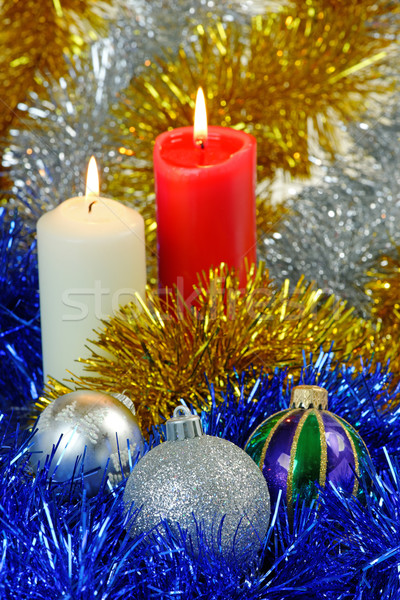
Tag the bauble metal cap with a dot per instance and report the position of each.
(183, 425)
(126, 401)
(309, 396)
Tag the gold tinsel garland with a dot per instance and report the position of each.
(35, 38)
(383, 288)
(309, 62)
(157, 358)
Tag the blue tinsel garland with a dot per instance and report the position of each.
(20, 346)
(53, 546)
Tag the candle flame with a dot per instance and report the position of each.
(200, 119)
(92, 179)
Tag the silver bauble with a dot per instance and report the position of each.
(194, 481)
(95, 428)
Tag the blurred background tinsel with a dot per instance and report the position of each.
(317, 83)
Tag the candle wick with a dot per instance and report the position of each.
(202, 144)
(91, 204)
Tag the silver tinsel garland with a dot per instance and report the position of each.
(339, 227)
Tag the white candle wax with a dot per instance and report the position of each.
(91, 254)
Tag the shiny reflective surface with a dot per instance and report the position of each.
(277, 458)
(306, 468)
(340, 454)
(255, 444)
(297, 448)
(86, 428)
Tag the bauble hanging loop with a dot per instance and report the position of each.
(183, 426)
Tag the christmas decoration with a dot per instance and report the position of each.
(76, 546)
(158, 358)
(43, 179)
(91, 259)
(341, 232)
(306, 444)
(35, 46)
(89, 435)
(84, 101)
(209, 172)
(202, 486)
(19, 314)
(339, 229)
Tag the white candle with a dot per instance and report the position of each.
(91, 254)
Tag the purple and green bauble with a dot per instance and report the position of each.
(306, 444)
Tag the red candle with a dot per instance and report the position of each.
(205, 193)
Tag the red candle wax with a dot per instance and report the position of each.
(206, 212)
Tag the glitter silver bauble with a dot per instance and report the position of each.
(96, 428)
(195, 481)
